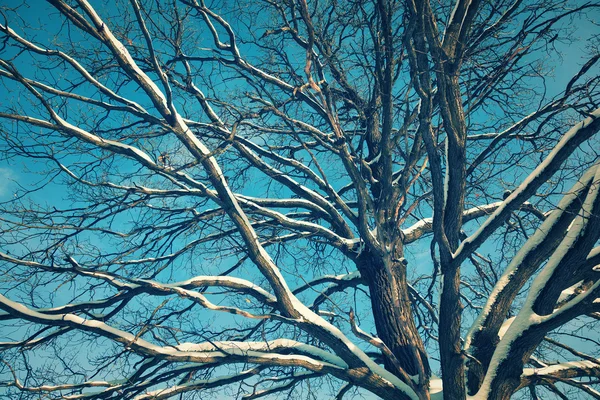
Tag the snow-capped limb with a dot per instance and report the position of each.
(49, 389)
(571, 369)
(481, 339)
(126, 62)
(27, 263)
(290, 306)
(181, 290)
(566, 373)
(378, 380)
(231, 353)
(537, 316)
(196, 385)
(378, 343)
(526, 261)
(267, 346)
(284, 203)
(323, 185)
(565, 147)
(55, 388)
(239, 284)
(573, 251)
(424, 226)
(296, 224)
(132, 106)
(131, 287)
(122, 296)
(523, 334)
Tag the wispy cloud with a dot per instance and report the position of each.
(6, 181)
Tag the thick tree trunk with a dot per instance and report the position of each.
(393, 316)
(451, 357)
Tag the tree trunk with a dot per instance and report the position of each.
(451, 357)
(393, 316)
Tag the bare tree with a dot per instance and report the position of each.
(221, 195)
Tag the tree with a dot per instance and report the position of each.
(229, 191)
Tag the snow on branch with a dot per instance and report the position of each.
(231, 352)
(565, 147)
(424, 226)
(538, 315)
(194, 385)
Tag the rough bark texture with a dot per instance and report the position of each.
(484, 342)
(290, 139)
(393, 316)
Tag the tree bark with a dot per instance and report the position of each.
(393, 316)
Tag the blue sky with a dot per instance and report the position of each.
(22, 172)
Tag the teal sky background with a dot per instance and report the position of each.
(24, 173)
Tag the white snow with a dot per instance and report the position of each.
(268, 346)
(527, 317)
(568, 292)
(529, 246)
(552, 369)
(435, 388)
(505, 327)
(568, 136)
(226, 281)
(376, 159)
